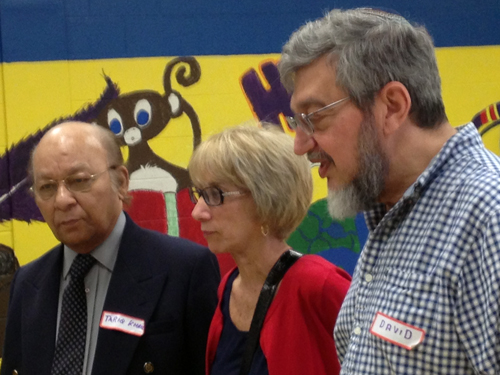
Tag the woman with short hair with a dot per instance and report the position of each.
(251, 192)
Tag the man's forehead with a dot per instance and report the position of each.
(62, 156)
(66, 142)
(312, 83)
(72, 132)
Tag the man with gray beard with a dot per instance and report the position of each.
(425, 295)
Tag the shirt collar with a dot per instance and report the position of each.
(106, 253)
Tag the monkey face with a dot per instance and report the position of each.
(136, 117)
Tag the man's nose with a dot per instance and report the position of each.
(303, 143)
(63, 196)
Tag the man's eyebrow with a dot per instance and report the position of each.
(73, 170)
(309, 102)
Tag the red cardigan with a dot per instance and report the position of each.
(297, 335)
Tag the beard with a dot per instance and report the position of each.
(362, 193)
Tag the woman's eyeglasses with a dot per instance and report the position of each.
(213, 196)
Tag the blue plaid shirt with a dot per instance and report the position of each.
(433, 262)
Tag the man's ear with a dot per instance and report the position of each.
(397, 102)
(123, 181)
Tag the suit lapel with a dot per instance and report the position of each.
(40, 314)
(134, 290)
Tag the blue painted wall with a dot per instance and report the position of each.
(41, 30)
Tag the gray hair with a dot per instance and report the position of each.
(369, 49)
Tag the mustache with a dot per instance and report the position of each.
(314, 156)
(318, 155)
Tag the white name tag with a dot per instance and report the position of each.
(121, 322)
(396, 331)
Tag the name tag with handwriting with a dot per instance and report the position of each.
(396, 331)
(122, 322)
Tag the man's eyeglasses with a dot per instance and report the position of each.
(77, 183)
(213, 196)
(303, 121)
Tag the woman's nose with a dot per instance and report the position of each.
(201, 210)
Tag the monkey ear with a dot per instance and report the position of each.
(175, 104)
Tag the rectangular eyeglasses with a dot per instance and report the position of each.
(303, 121)
(213, 196)
(77, 183)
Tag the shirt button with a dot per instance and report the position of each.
(357, 330)
(368, 277)
(87, 290)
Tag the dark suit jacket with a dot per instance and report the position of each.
(170, 283)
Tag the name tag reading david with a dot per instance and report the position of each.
(396, 331)
(121, 322)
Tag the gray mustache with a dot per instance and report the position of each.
(321, 155)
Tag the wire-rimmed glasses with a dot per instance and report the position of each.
(77, 183)
(303, 121)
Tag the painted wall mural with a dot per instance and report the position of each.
(487, 122)
(140, 117)
(267, 96)
(159, 186)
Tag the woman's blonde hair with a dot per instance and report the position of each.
(260, 160)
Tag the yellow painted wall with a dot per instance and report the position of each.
(37, 93)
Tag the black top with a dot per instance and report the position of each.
(232, 343)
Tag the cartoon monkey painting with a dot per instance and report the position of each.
(139, 116)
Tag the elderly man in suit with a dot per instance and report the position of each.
(112, 298)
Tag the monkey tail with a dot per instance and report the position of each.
(182, 76)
